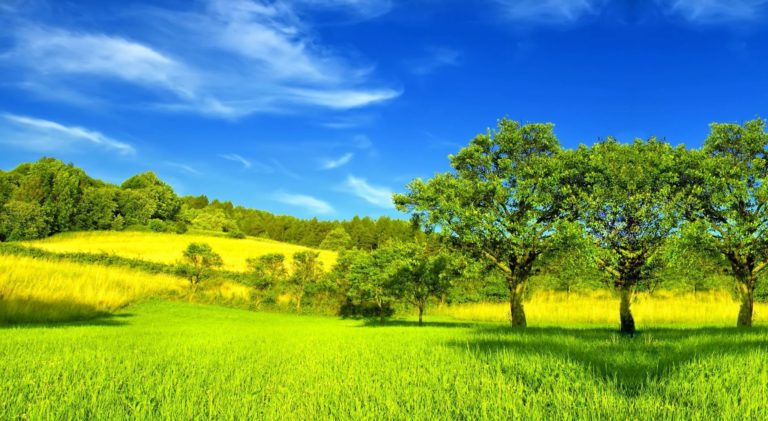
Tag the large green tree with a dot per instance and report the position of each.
(628, 204)
(728, 181)
(501, 201)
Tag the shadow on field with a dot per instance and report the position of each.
(36, 313)
(410, 323)
(627, 362)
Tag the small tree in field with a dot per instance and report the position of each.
(266, 271)
(199, 262)
(370, 277)
(422, 273)
(307, 270)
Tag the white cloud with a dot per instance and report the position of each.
(330, 164)
(435, 59)
(310, 203)
(547, 11)
(379, 196)
(229, 59)
(183, 168)
(49, 135)
(716, 11)
(236, 158)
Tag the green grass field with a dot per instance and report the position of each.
(185, 361)
(141, 350)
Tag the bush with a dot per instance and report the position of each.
(180, 227)
(157, 225)
(239, 235)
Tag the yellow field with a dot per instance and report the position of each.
(601, 308)
(167, 248)
(41, 290)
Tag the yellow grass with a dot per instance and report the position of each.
(41, 290)
(167, 248)
(601, 308)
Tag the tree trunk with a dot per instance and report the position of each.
(747, 304)
(421, 314)
(516, 309)
(625, 310)
(298, 302)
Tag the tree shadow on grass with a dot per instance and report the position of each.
(15, 313)
(627, 362)
(412, 323)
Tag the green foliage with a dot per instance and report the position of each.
(267, 271)
(502, 201)
(199, 261)
(337, 239)
(628, 204)
(307, 274)
(22, 221)
(727, 182)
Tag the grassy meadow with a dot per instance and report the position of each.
(167, 248)
(87, 341)
(176, 360)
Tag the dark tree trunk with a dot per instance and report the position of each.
(747, 304)
(516, 309)
(421, 314)
(625, 310)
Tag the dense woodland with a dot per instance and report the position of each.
(516, 212)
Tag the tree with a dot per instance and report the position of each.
(307, 270)
(421, 273)
(338, 239)
(628, 204)
(502, 201)
(371, 279)
(267, 271)
(22, 221)
(199, 262)
(728, 182)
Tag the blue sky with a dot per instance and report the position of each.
(324, 107)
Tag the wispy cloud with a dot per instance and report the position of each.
(236, 158)
(285, 171)
(183, 168)
(716, 11)
(379, 196)
(435, 58)
(330, 164)
(50, 135)
(547, 11)
(217, 54)
(307, 202)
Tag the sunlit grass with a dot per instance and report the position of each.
(602, 308)
(167, 248)
(175, 360)
(35, 290)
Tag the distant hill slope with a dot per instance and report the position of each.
(167, 248)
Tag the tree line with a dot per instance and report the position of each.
(48, 197)
(516, 199)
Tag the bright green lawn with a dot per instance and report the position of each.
(185, 361)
